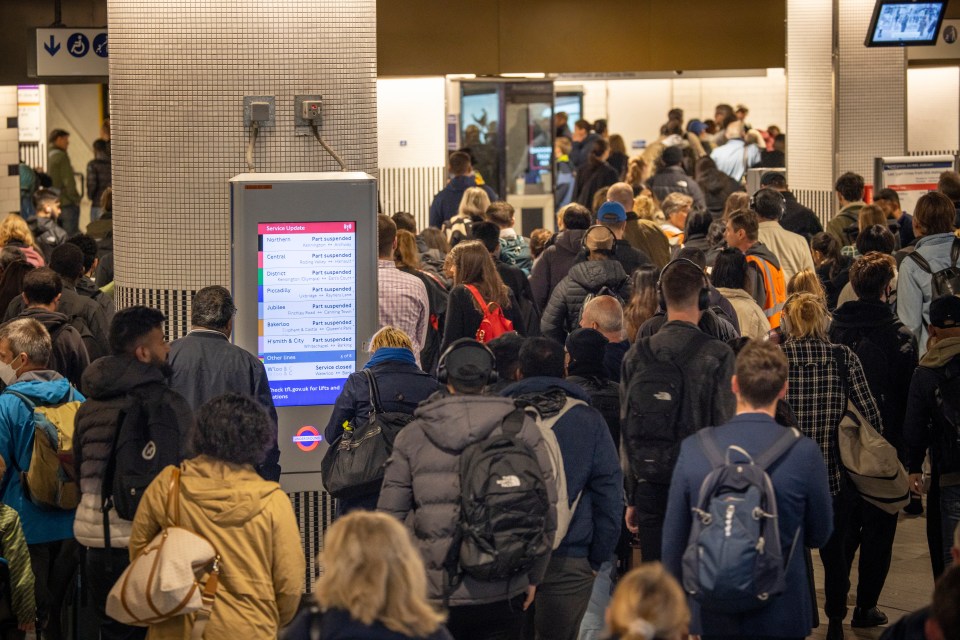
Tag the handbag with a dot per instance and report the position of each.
(161, 582)
(353, 465)
(870, 461)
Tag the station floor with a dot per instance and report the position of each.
(909, 584)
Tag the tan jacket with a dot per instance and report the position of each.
(791, 248)
(251, 524)
(753, 322)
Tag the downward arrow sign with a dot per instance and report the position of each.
(53, 47)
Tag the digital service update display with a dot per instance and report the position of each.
(307, 309)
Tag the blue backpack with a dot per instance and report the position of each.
(733, 562)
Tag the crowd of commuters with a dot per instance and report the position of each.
(584, 416)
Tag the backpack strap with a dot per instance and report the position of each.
(778, 449)
(954, 252)
(374, 391)
(512, 423)
(711, 448)
(476, 296)
(922, 262)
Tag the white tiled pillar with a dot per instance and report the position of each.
(179, 70)
(9, 152)
(846, 103)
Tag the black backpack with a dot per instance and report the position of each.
(653, 421)
(143, 445)
(503, 507)
(354, 463)
(605, 398)
(945, 282)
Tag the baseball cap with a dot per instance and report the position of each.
(468, 361)
(611, 212)
(945, 312)
(672, 155)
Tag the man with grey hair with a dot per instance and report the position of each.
(605, 314)
(206, 365)
(25, 349)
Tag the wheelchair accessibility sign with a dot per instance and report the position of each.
(72, 52)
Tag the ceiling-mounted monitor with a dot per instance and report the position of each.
(902, 23)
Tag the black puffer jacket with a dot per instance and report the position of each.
(563, 310)
(110, 383)
(554, 264)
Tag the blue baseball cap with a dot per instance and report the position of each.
(611, 212)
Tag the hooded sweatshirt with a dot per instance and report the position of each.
(421, 487)
(251, 524)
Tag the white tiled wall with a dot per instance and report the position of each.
(179, 70)
(411, 122)
(933, 109)
(9, 153)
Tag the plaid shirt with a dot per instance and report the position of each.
(403, 303)
(817, 396)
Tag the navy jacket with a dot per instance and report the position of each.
(446, 203)
(590, 463)
(803, 502)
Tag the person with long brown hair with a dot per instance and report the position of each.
(408, 260)
(470, 265)
(643, 301)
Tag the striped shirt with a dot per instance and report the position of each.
(403, 303)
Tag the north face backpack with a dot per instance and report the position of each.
(503, 507)
(945, 282)
(565, 508)
(652, 417)
(50, 481)
(733, 561)
(494, 323)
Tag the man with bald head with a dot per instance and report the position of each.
(644, 235)
(605, 314)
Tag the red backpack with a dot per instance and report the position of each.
(494, 323)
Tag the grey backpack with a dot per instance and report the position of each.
(733, 562)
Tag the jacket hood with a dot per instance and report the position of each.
(546, 394)
(229, 494)
(570, 240)
(936, 239)
(116, 375)
(42, 388)
(941, 353)
(861, 314)
(453, 422)
(49, 319)
(593, 274)
(760, 250)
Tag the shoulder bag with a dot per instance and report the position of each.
(871, 462)
(162, 582)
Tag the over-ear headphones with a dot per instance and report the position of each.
(466, 343)
(703, 298)
(585, 253)
(768, 199)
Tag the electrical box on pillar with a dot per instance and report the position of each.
(304, 276)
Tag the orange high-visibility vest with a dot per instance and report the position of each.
(775, 288)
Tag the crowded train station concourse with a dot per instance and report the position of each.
(543, 320)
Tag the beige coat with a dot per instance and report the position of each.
(753, 322)
(791, 248)
(250, 522)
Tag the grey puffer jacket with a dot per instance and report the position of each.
(562, 314)
(421, 486)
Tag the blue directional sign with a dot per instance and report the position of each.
(72, 52)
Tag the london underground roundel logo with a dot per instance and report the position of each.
(307, 438)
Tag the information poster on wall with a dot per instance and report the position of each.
(911, 176)
(29, 114)
(307, 309)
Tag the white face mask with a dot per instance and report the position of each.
(7, 373)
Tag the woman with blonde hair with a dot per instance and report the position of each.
(15, 232)
(648, 603)
(822, 378)
(476, 284)
(373, 585)
(807, 281)
(402, 385)
(473, 205)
